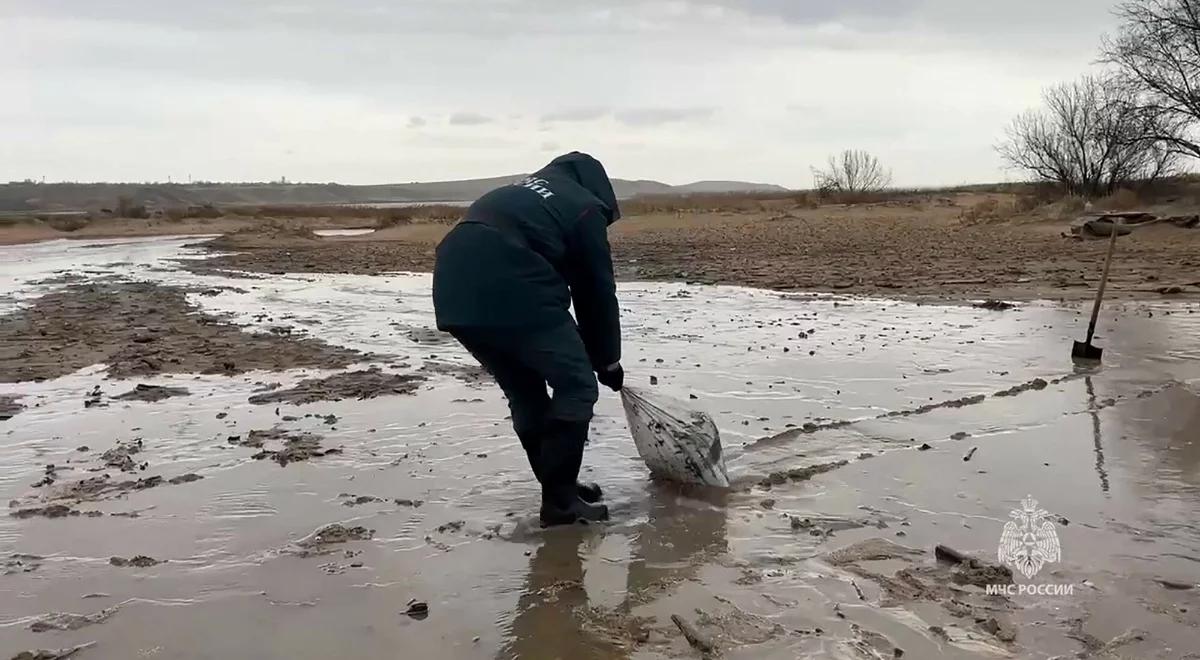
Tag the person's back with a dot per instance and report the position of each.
(504, 282)
(552, 244)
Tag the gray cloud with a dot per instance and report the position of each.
(576, 114)
(469, 119)
(669, 89)
(970, 20)
(818, 12)
(658, 116)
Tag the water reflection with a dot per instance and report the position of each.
(548, 623)
(1094, 411)
(684, 529)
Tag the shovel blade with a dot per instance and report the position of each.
(1085, 351)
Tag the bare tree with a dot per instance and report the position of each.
(1157, 52)
(1090, 137)
(853, 171)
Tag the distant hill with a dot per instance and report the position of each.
(28, 196)
(717, 187)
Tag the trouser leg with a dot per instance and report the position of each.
(552, 429)
(558, 355)
(524, 389)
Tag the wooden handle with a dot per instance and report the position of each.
(1112, 245)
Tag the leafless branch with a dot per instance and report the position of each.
(852, 171)
(1092, 137)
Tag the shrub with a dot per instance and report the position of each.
(1123, 199)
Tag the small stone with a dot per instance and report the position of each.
(417, 609)
(924, 447)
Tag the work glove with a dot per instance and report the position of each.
(612, 377)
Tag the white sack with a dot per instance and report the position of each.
(677, 442)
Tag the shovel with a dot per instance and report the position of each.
(1083, 350)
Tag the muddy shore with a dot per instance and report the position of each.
(350, 483)
(934, 246)
(142, 329)
(925, 250)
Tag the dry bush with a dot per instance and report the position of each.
(65, 222)
(807, 200)
(305, 211)
(128, 208)
(852, 171)
(1027, 202)
(389, 217)
(207, 211)
(1123, 199)
(984, 210)
(850, 198)
(14, 220)
(421, 213)
(1068, 207)
(710, 202)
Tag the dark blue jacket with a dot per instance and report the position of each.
(524, 252)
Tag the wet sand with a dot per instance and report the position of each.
(304, 511)
(142, 329)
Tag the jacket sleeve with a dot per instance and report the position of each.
(593, 288)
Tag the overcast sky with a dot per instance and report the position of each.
(372, 91)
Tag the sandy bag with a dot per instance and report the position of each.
(677, 442)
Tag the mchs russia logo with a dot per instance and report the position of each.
(1029, 541)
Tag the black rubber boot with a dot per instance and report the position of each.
(532, 443)
(559, 461)
(589, 491)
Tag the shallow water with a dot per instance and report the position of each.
(1112, 449)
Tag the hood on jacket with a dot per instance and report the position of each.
(589, 173)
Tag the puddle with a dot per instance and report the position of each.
(343, 232)
(842, 393)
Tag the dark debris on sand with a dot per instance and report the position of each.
(287, 446)
(358, 385)
(151, 393)
(141, 329)
(9, 407)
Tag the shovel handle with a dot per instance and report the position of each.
(1112, 245)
